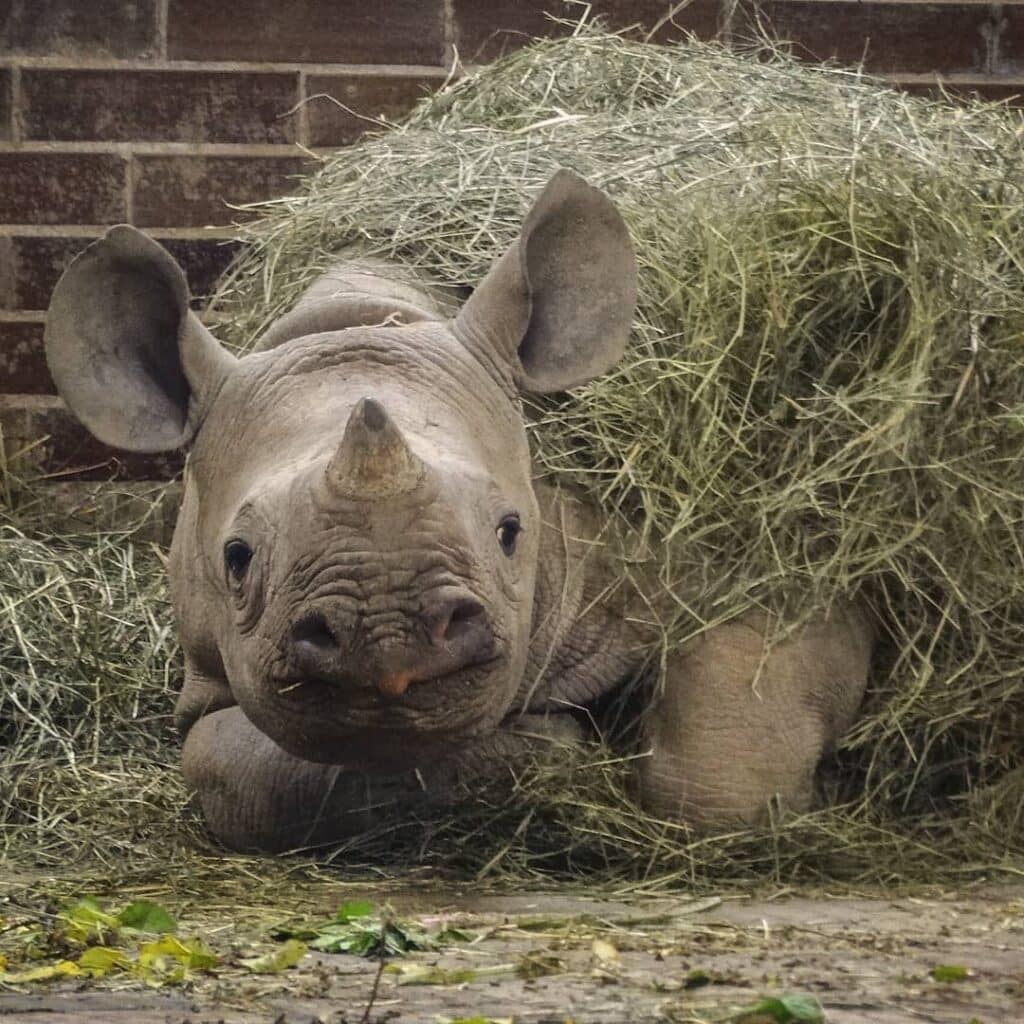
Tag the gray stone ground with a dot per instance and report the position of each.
(868, 960)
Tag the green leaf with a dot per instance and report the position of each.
(427, 974)
(364, 935)
(143, 916)
(361, 931)
(64, 969)
(804, 1009)
(354, 910)
(277, 961)
(99, 961)
(170, 959)
(87, 921)
(791, 1009)
(543, 924)
(950, 973)
(344, 939)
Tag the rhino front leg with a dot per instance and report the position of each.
(739, 724)
(256, 796)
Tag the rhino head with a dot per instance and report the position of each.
(356, 556)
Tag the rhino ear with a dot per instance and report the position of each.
(558, 305)
(131, 360)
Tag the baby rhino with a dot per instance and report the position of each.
(377, 604)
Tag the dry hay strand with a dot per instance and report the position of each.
(823, 396)
(88, 670)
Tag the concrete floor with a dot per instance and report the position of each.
(868, 960)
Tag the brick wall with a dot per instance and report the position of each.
(164, 113)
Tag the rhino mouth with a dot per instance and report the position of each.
(422, 692)
(380, 734)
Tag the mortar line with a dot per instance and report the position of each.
(38, 316)
(302, 130)
(727, 21)
(233, 149)
(129, 188)
(450, 49)
(217, 233)
(995, 37)
(163, 7)
(54, 63)
(15, 125)
(8, 285)
(22, 316)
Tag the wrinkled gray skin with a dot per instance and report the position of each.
(376, 603)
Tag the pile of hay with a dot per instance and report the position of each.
(88, 675)
(824, 396)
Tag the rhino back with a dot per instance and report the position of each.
(361, 291)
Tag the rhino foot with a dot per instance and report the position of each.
(256, 796)
(742, 725)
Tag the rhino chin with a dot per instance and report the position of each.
(382, 751)
(371, 732)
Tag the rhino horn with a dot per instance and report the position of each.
(373, 459)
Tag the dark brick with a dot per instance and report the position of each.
(1009, 90)
(8, 270)
(61, 188)
(193, 191)
(67, 450)
(363, 96)
(5, 104)
(662, 22)
(158, 106)
(343, 31)
(903, 36)
(889, 35)
(31, 265)
(79, 28)
(204, 260)
(35, 265)
(71, 451)
(22, 363)
(487, 30)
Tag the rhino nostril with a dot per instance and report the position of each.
(464, 617)
(313, 629)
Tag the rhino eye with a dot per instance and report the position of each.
(508, 533)
(237, 556)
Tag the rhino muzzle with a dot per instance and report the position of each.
(455, 634)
